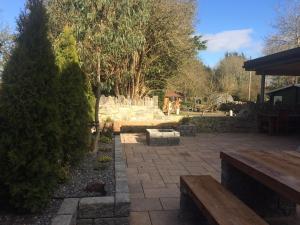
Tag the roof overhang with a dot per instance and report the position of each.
(283, 88)
(286, 63)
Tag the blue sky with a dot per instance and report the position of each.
(229, 25)
(234, 25)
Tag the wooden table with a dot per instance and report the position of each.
(267, 181)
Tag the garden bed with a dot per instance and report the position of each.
(43, 218)
(94, 170)
(110, 209)
(89, 172)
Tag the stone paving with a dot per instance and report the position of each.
(154, 172)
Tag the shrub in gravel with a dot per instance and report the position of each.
(103, 162)
(101, 149)
(104, 159)
(73, 99)
(186, 120)
(105, 139)
(30, 150)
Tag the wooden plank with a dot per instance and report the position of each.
(280, 171)
(217, 204)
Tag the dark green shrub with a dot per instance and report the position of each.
(236, 108)
(30, 150)
(103, 162)
(186, 120)
(105, 139)
(104, 149)
(108, 132)
(104, 159)
(73, 99)
(187, 106)
(108, 128)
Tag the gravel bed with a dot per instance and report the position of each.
(87, 172)
(43, 218)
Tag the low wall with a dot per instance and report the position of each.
(141, 126)
(205, 124)
(125, 109)
(224, 124)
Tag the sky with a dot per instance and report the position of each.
(228, 25)
(234, 25)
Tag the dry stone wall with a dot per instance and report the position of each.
(126, 109)
(224, 124)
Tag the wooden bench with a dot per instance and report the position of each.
(217, 205)
(266, 181)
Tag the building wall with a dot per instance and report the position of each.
(289, 96)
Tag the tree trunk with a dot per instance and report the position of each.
(139, 73)
(117, 84)
(97, 106)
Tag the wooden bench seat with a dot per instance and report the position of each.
(217, 205)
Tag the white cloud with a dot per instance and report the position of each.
(230, 40)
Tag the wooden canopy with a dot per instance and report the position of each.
(284, 88)
(286, 63)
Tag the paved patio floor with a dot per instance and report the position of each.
(154, 171)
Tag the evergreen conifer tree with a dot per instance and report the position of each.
(74, 106)
(30, 152)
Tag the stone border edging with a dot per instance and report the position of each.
(100, 210)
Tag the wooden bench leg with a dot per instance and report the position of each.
(188, 208)
(263, 200)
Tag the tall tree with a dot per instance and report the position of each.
(73, 99)
(91, 21)
(230, 77)
(6, 43)
(29, 135)
(142, 50)
(286, 36)
(169, 43)
(128, 46)
(286, 27)
(192, 80)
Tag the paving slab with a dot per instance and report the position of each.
(154, 172)
(170, 203)
(140, 218)
(146, 204)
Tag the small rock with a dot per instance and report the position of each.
(96, 187)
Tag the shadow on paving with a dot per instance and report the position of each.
(154, 171)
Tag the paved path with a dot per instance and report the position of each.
(154, 171)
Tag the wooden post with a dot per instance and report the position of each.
(249, 88)
(262, 89)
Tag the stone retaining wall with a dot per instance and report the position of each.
(125, 109)
(100, 210)
(224, 124)
(188, 130)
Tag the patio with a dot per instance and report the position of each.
(154, 172)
